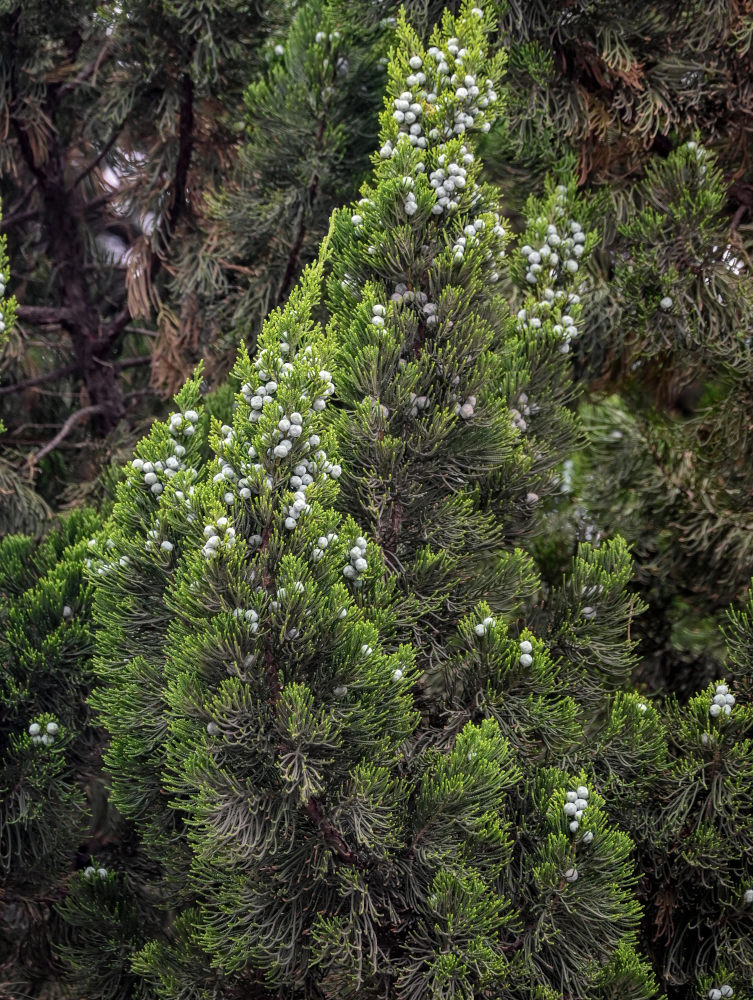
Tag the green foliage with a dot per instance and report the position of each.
(701, 843)
(104, 916)
(365, 633)
(47, 742)
(616, 84)
(678, 287)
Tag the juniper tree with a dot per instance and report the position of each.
(699, 916)
(617, 85)
(48, 746)
(634, 92)
(376, 858)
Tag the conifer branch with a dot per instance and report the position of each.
(91, 69)
(44, 315)
(332, 835)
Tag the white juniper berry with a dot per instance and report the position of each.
(526, 649)
(46, 738)
(717, 992)
(91, 871)
(722, 701)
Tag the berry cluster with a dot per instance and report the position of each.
(322, 36)
(220, 535)
(723, 701)
(521, 411)
(575, 806)
(152, 471)
(467, 101)
(321, 544)
(483, 626)
(722, 991)
(248, 615)
(378, 312)
(153, 536)
(447, 178)
(358, 564)
(91, 871)
(47, 738)
(467, 408)
(418, 403)
(559, 249)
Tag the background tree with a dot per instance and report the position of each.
(306, 127)
(116, 119)
(669, 460)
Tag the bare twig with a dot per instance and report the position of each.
(9, 390)
(143, 359)
(65, 430)
(16, 218)
(97, 159)
(23, 199)
(738, 217)
(44, 315)
(91, 69)
(102, 199)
